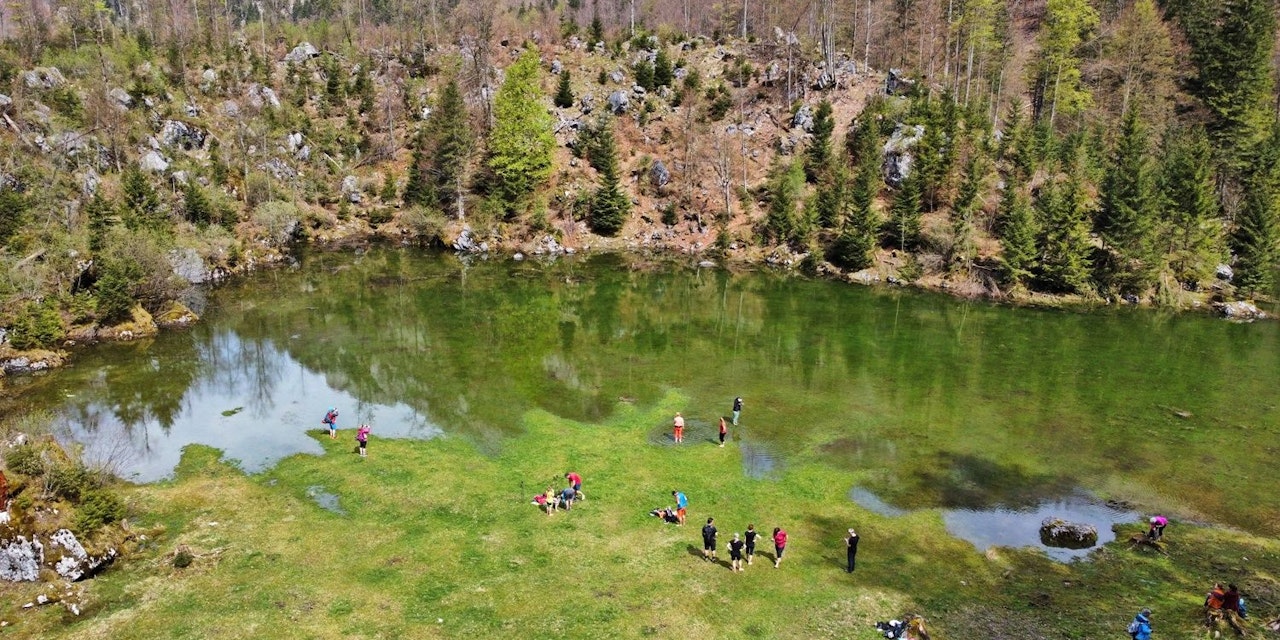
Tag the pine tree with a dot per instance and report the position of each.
(449, 132)
(1126, 219)
(1189, 207)
(663, 74)
(832, 197)
(855, 246)
(140, 200)
(597, 29)
(964, 245)
(609, 205)
(521, 142)
(817, 157)
(564, 93)
(98, 210)
(417, 189)
(785, 182)
(903, 227)
(1018, 231)
(195, 204)
(1065, 247)
(1256, 238)
(643, 71)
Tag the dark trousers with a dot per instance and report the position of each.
(853, 556)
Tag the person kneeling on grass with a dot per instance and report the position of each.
(567, 496)
(667, 514)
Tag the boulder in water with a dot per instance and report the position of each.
(1056, 532)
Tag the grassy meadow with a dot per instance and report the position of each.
(436, 539)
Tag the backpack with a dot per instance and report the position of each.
(1135, 627)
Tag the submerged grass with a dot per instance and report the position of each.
(439, 540)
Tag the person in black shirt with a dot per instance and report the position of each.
(851, 542)
(737, 409)
(751, 542)
(735, 553)
(709, 540)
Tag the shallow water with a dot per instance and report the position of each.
(925, 401)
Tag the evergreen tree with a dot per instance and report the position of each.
(450, 135)
(663, 74)
(855, 246)
(832, 197)
(597, 29)
(1065, 247)
(1126, 219)
(964, 245)
(1018, 231)
(564, 93)
(388, 194)
(1256, 238)
(1189, 207)
(98, 210)
(903, 226)
(643, 71)
(1232, 51)
(785, 182)
(195, 204)
(417, 189)
(609, 205)
(140, 200)
(521, 142)
(817, 157)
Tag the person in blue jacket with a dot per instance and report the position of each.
(1140, 628)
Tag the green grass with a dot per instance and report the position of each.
(439, 540)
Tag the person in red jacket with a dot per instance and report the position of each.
(779, 545)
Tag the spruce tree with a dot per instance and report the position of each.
(195, 204)
(1065, 247)
(832, 197)
(98, 210)
(903, 227)
(597, 29)
(521, 142)
(1256, 238)
(417, 190)
(1188, 205)
(1018, 231)
(140, 200)
(817, 157)
(1126, 219)
(855, 246)
(964, 212)
(609, 205)
(643, 71)
(663, 74)
(785, 183)
(449, 133)
(564, 93)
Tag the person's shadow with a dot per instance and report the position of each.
(697, 553)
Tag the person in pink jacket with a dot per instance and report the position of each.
(362, 436)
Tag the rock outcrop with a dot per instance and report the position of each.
(1056, 532)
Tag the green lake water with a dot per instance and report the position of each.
(996, 416)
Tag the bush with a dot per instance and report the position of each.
(25, 460)
(100, 507)
(38, 326)
(280, 220)
(427, 224)
(71, 482)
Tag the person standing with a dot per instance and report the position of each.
(681, 503)
(737, 409)
(779, 545)
(677, 428)
(735, 553)
(1140, 628)
(709, 540)
(724, 430)
(362, 437)
(851, 546)
(331, 420)
(575, 481)
(751, 542)
(551, 499)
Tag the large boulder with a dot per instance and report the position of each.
(20, 560)
(120, 98)
(618, 102)
(71, 561)
(1240, 310)
(897, 83)
(1056, 532)
(898, 153)
(803, 119)
(302, 53)
(43, 78)
(659, 175)
(175, 133)
(153, 162)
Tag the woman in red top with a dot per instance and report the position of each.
(724, 430)
(779, 545)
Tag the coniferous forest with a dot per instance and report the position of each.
(1094, 150)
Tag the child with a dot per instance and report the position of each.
(677, 428)
(735, 553)
(549, 498)
(362, 436)
(331, 420)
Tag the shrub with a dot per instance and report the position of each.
(24, 459)
(100, 507)
(38, 326)
(71, 482)
(182, 559)
(280, 220)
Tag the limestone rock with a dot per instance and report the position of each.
(121, 98)
(1056, 532)
(140, 325)
(803, 119)
(74, 562)
(153, 162)
(898, 153)
(175, 133)
(20, 560)
(1240, 310)
(302, 53)
(659, 174)
(43, 78)
(618, 102)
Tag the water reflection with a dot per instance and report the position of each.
(1005, 526)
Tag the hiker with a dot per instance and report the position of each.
(735, 553)
(567, 496)
(779, 545)
(737, 409)
(681, 504)
(362, 437)
(331, 421)
(851, 546)
(709, 540)
(550, 499)
(1213, 600)
(667, 514)
(750, 535)
(677, 428)
(1231, 599)
(1158, 523)
(724, 430)
(1140, 628)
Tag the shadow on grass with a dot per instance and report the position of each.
(697, 553)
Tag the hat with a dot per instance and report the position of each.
(1154, 520)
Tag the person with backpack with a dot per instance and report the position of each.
(1140, 628)
(331, 421)
(362, 437)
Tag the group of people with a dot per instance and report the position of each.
(330, 421)
(741, 546)
(677, 423)
(553, 500)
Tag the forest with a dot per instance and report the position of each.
(1100, 151)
